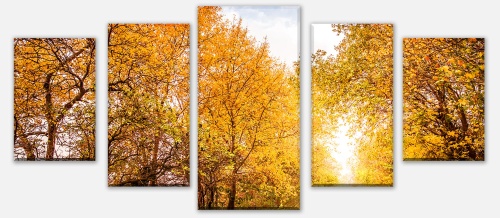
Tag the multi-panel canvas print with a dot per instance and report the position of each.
(352, 100)
(248, 121)
(54, 99)
(443, 97)
(148, 105)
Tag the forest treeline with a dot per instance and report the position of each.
(248, 135)
(443, 95)
(354, 88)
(54, 98)
(148, 105)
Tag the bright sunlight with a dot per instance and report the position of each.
(342, 148)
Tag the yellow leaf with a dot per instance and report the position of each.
(444, 68)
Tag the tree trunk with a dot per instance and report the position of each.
(201, 195)
(152, 177)
(30, 154)
(211, 197)
(51, 142)
(51, 123)
(232, 192)
(232, 195)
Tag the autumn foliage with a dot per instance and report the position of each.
(353, 90)
(148, 111)
(248, 135)
(443, 99)
(54, 92)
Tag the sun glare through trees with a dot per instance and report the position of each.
(352, 104)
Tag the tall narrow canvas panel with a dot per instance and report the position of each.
(248, 124)
(54, 99)
(443, 97)
(148, 109)
(352, 124)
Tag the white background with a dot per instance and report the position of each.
(79, 189)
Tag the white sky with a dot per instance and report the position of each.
(325, 39)
(279, 23)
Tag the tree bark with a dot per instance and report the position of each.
(232, 193)
(51, 142)
(30, 154)
(152, 178)
(51, 126)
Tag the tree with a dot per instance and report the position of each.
(248, 120)
(54, 106)
(324, 167)
(354, 88)
(443, 99)
(148, 136)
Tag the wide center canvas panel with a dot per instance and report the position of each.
(148, 111)
(352, 125)
(248, 125)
